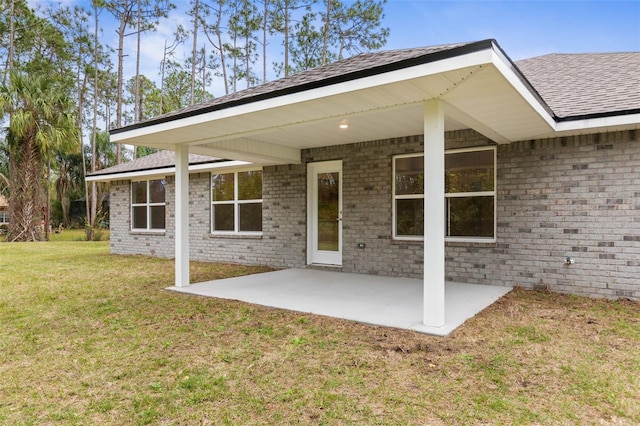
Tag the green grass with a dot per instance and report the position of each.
(79, 235)
(92, 338)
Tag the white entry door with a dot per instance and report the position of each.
(324, 213)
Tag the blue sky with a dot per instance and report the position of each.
(523, 28)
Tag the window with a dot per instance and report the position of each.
(408, 194)
(470, 192)
(4, 217)
(236, 202)
(470, 182)
(148, 205)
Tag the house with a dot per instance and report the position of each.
(441, 163)
(4, 211)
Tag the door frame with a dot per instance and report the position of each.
(315, 256)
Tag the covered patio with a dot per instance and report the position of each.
(422, 91)
(384, 301)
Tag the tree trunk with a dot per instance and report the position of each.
(223, 65)
(25, 199)
(136, 107)
(91, 204)
(325, 39)
(47, 212)
(264, 40)
(286, 38)
(194, 51)
(121, 30)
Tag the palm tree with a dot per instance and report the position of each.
(40, 123)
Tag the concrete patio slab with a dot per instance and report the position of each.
(371, 299)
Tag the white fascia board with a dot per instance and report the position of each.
(506, 69)
(621, 122)
(131, 175)
(468, 60)
(170, 171)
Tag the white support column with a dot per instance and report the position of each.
(434, 225)
(182, 215)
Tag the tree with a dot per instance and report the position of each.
(148, 97)
(357, 27)
(306, 51)
(177, 89)
(169, 53)
(195, 14)
(4, 168)
(242, 49)
(42, 122)
(69, 182)
(145, 18)
(281, 20)
(352, 28)
(214, 35)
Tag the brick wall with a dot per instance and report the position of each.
(576, 197)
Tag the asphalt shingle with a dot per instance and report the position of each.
(575, 85)
(319, 75)
(572, 85)
(159, 160)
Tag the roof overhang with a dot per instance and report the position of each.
(162, 172)
(478, 84)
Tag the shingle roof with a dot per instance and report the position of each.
(159, 160)
(589, 84)
(343, 70)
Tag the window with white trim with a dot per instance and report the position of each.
(408, 196)
(148, 205)
(236, 202)
(470, 193)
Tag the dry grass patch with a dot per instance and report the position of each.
(92, 338)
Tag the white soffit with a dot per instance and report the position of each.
(482, 90)
(366, 94)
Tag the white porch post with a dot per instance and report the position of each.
(182, 215)
(434, 225)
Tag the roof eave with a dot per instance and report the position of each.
(169, 171)
(343, 78)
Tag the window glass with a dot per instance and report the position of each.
(410, 217)
(470, 216)
(236, 210)
(250, 217)
(409, 175)
(139, 217)
(139, 192)
(250, 185)
(156, 189)
(469, 194)
(157, 217)
(223, 217)
(471, 171)
(148, 205)
(222, 188)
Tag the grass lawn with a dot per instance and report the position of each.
(89, 338)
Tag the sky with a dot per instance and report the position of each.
(523, 29)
